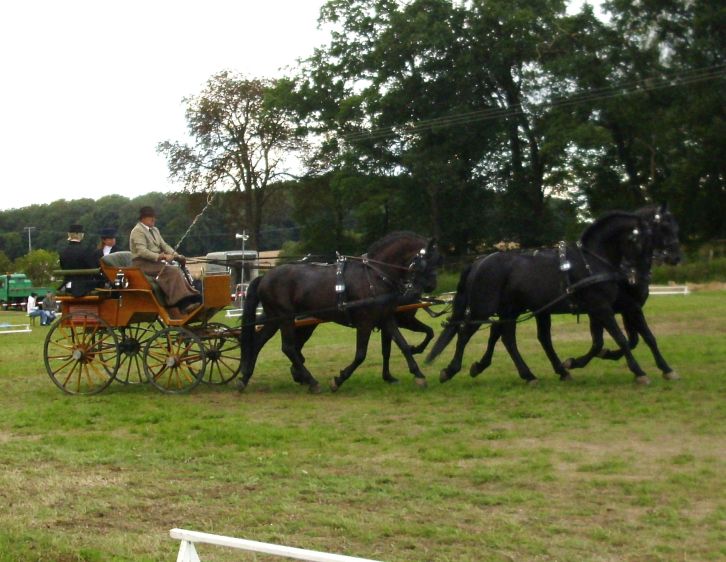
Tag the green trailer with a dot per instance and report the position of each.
(15, 288)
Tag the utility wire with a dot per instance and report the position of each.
(622, 89)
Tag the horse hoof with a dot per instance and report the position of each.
(671, 376)
(314, 388)
(390, 380)
(643, 381)
(444, 376)
(532, 382)
(475, 370)
(567, 363)
(421, 382)
(567, 377)
(241, 386)
(333, 385)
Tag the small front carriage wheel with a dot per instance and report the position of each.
(132, 341)
(81, 353)
(222, 347)
(174, 360)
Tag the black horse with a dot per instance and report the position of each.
(581, 278)
(632, 297)
(359, 292)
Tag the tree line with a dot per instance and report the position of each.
(475, 121)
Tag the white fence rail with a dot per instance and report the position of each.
(669, 290)
(14, 328)
(187, 552)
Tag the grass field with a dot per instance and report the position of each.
(476, 469)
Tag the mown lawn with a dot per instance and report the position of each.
(476, 469)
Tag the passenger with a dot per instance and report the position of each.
(76, 256)
(34, 311)
(107, 245)
(152, 255)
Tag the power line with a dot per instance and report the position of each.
(618, 90)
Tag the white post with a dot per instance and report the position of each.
(187, 552)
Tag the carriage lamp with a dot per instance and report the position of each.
(120, 282)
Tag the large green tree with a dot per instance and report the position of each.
(241, 141)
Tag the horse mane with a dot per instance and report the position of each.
(601, 225)
(391, 237)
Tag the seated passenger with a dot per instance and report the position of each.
(34, 310)
(152, 255)
(76, 256)
(107, 245)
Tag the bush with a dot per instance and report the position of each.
(699, 271)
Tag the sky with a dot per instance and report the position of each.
(89, 88)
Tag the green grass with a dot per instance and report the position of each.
(476, 469)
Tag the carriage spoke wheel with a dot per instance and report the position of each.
(174, 360)
(132, 341)
(80, 353)
(222, 349)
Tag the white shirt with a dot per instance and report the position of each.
(31, 306)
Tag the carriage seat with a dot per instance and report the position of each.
(118, 260)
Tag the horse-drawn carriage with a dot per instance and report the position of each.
(123, 331)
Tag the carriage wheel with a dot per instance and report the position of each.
(80, 353)
(174, 360)
(132, 341)
(221, 347)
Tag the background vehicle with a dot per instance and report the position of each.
(15, 288)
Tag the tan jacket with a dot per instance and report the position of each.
(146, 243)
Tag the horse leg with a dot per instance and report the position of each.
(415, 325)
(631, 330)
(386, 352)
(607, 319)
(544, 335)
(462, 338)
(509, 337)
(362, 337)
(291, 349)
(413, 368)
(302, 335)
(269, 329)
(478, 367)
(636, 319)
(410, 323)
(596, 332)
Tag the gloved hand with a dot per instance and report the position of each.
(181, 259)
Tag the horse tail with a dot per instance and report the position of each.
(249, 317)
(461, 301)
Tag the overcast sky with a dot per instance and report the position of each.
(89, 87)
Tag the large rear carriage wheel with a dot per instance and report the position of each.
(80, 353)
(174, 360)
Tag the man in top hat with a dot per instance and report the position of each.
(76, 256)
(152, 255)
(107, 244)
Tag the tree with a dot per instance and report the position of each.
(38, 265)
(6, 264)
(241, 139)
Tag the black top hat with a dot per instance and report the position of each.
(75, 228)
(108, 233)
(147, 212)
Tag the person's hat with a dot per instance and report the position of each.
(108, 233)
(147, 212)
(75, 228)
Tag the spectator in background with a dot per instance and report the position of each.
(50, 307)
(34, 311)
(107, 245)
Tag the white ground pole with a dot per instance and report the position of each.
(187, 552)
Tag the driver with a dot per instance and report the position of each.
(152, 255)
